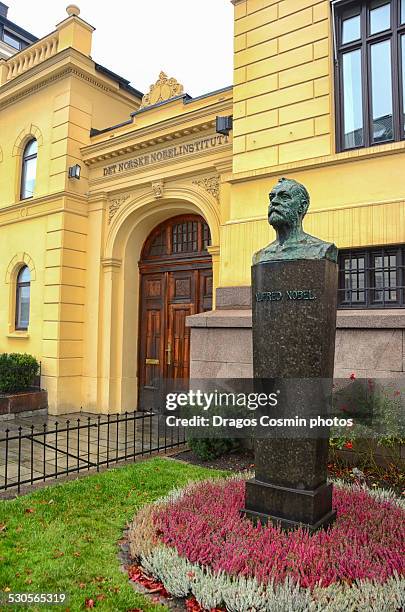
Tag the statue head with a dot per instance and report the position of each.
(289, 203)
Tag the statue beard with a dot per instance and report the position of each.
(283, 217)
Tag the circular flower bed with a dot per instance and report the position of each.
(196, 542)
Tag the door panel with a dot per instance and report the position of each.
(176, 273)
(152, 330)
(205, 290)
(178, 339)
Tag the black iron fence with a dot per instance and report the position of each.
(48, 451)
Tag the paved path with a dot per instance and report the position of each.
(50, 446)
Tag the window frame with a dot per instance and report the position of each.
(26, 158)
(18, 286)
(12, 36)
(364, 44)
(369, 254)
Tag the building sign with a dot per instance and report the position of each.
(166, 154)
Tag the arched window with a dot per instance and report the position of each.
(29, 169)
(22, 304)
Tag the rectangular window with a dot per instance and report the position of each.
(372, 278)
(352, 100)
(370, 38)
(11, 40)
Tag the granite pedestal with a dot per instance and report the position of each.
(294, 323)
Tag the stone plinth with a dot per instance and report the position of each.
(294, 323)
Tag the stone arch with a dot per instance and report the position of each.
(24, 136)
(180, 196)
(131, 225)
(19, 260)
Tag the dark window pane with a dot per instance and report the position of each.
(11, 40)
(24, 275)
(403, 78)
(158, 246)
(206, 236)
(24, 307)
(29, 174)
(381, 92)
(385, 278)
(380, 18)
(23, 298)
(31, 149)
(351, 29)
(354, 280)
(352, 100)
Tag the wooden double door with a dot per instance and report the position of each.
(176, 282)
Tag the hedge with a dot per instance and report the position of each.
(17, 372)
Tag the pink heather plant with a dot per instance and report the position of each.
(367, 540)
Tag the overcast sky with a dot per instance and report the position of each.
(190, 40)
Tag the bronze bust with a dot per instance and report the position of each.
(289, 203)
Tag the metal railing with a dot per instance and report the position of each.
(39, 453)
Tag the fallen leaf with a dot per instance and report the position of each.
(3, 527)
(28, 581)
(29, 510)
(100, 597)
(76, 554)
(82, 585)
(58, 554)
(89, 603)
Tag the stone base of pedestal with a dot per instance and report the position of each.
(290, 507)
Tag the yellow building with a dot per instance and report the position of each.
(122, 214)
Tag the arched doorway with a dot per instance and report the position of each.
(176, 281)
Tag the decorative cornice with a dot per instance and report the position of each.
(203, 118)
(209, 184)
(62, 73)
(164, 89)
(125, 149)
(44, 206)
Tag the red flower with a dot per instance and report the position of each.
(352, 376)
(348, 444)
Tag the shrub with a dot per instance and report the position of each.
(366, 542)
(208, 449)
(17, 372)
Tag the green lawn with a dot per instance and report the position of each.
(64, 538)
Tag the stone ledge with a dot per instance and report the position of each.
(346, 319)
(371, 319)
(221, 318)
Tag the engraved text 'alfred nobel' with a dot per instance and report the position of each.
(278, 296)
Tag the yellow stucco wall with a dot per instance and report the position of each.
(57, 101)
(284, 124)
(82, 239)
